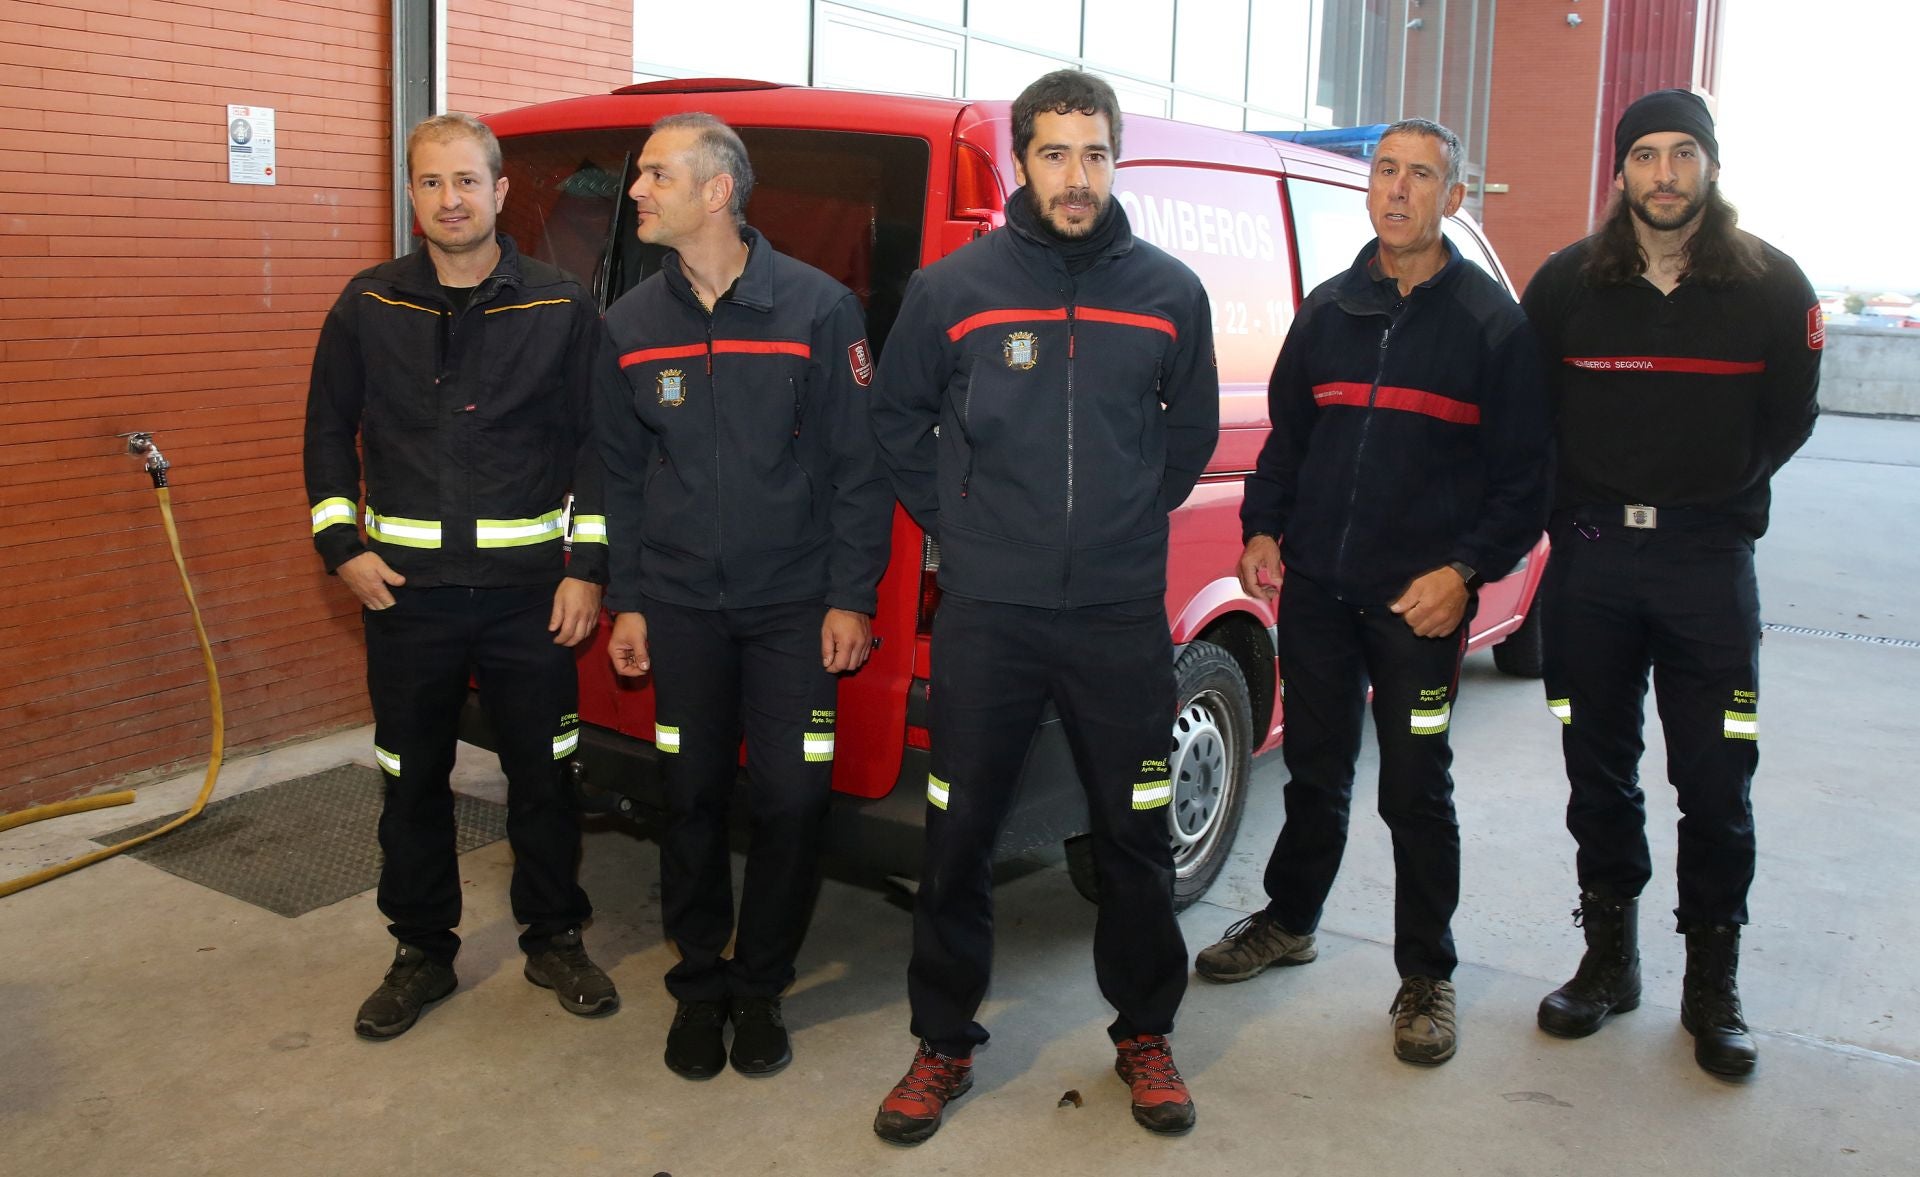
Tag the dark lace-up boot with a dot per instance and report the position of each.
(1608, 979)
(1710, 1002)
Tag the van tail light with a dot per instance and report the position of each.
(976, 187)
(929, 587)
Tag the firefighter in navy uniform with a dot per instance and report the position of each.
(748, 518)
(1685, 355)
(465, 372)
(1408, 461)
(1047, 397)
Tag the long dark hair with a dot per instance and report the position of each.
(1718, 253)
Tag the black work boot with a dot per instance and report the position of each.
(413, 982)
(1608, 979)
(1710, 1002)
(563, 966)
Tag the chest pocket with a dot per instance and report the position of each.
(513, 356)
(401, 347)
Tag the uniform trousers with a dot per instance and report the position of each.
(421, 653)
(1680, 601)
(719, 674)
(1330, 651)
(1108, 669)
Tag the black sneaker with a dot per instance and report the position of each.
(760, 1045)
(579, 983)
(696, 1043)
(414, 982)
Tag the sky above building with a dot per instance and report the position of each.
(1816, 140)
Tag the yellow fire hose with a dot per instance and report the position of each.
(140, 445)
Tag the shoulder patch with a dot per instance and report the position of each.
(860, 360)
(1816, 328)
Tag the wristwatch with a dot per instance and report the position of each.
(1467, 574)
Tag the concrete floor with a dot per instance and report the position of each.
(155, 1027)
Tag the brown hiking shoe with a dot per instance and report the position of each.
(912, 1110)
(1250, 947)
(1423, 1026)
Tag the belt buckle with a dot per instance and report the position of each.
(1641, 516)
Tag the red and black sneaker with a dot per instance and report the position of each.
(1161, 1102)
(911, 1112)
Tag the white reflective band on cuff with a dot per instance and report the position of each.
(515, 533)
(405, 533)
(665, 738)
(816, 747)
(565, 743)
(590, 529)
(1741, 725)
(1427, 723)
(331, 512)
(1562, 709)
(387, 760)
(1152, 794)
(936, 791)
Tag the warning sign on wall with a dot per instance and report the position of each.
(249, 144)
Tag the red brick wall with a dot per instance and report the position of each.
(1541, 132)
(502, 55)
(140, 290)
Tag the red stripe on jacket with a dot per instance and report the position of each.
(720, 347)
(1055, 314)
(1668, 364)
(1386, 396)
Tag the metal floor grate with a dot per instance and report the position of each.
(298, 845)
(1870, 639)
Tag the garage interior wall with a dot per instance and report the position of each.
(139, 290)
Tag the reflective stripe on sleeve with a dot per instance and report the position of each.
(331, 513)
(1431, 723)
(565, 743)
(1741, 725)
(1152, 794)
(590, 529)
(387, 760)
(404, 533)
(936, 791)
(816, 747)
(518, 533)
(1562, 709)
(665, 738)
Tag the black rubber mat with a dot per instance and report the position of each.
(297, 845)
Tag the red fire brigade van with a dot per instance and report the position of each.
(869, 187)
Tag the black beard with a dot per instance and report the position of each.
(1680, 218)
(1056, 232)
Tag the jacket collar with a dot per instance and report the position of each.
(753, 288)
(415, 273)
(1038, 251)
(1363, 290)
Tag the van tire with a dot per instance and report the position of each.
(1521, 653)
(1210, 765)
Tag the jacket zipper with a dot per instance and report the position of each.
(719, 505)
(1066, 571)
(1360, 451)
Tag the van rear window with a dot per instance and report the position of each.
(851, 204)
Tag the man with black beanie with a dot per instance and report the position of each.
(1684, 359)
(1047, 396)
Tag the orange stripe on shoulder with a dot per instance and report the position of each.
(394, 302)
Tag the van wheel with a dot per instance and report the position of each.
(1521, 652)
(1210, 764)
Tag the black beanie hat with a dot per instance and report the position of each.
(1664, 110)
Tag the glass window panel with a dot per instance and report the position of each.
(1140, 98)
(1133, 36)
(1053, 25)
(1210, 47)
(860, 51)
(1191, 108)
(1329, 226)
(994, 71)
(1282, 52)
(953, 12)
(768, 40)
